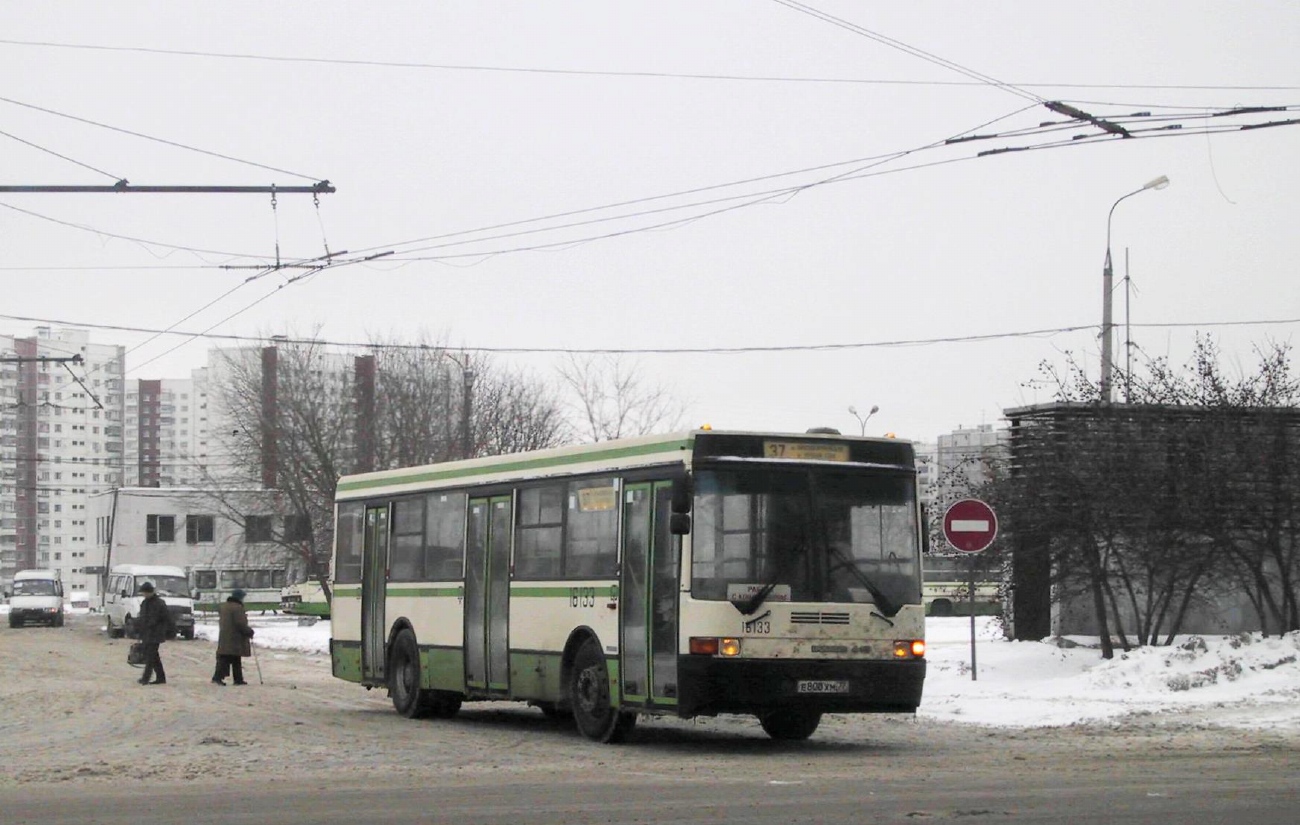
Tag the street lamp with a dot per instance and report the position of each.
(862, 420)
(1108, 278)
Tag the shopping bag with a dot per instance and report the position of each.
(135, 656)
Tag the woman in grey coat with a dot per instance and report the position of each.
(232, 639)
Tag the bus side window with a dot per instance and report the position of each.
(444, 536)
(347, 538)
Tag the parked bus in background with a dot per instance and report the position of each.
(682, 575)
(261, 586)
(947, 586)
(304, 599)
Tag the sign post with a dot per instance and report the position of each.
(969, 526)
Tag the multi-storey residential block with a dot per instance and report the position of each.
(166, 431)
(61, 440)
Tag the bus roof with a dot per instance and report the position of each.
(604, 456)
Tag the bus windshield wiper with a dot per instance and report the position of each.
(754, 602)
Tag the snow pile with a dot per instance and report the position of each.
(1244, 680)
(302, 635)
(1238, 681)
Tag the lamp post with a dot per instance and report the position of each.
(466, 402)
(1107, 287)
(862, 420)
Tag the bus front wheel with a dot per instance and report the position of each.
(589, 697)
(790, 725)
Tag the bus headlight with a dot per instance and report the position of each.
(909, 648)
(713, 646)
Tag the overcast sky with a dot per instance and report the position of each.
(501, 114)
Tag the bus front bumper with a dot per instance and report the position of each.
(710, 685)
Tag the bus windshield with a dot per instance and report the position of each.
(805, 535)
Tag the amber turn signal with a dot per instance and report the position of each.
(909, 648)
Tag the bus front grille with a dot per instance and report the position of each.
(818, 618)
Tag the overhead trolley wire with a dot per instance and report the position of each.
(163, 141)
(373, 346)
(710, 76)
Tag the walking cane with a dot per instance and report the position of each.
(253, 648)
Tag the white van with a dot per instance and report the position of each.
(122, 597)
(37, 598)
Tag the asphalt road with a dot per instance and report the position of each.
(1240, 796)
(81, 743)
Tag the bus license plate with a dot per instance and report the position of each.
(823, 686)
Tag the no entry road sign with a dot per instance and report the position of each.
(970, 525)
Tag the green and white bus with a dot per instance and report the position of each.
(683, 575)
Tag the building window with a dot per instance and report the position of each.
(159, 529)
(297, 528)
(198, 529)
(257, 529)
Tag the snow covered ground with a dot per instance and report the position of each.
(1237, 681)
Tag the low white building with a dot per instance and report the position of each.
(223, 539)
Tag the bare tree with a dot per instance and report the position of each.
(613, 399)
(300, 416)
(513, 413)
(1151, 506)
(293, 422)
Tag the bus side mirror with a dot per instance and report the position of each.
(682, 495)
(679, 524)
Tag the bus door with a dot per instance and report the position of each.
(649, 596)
(374, 585)
(487, 595)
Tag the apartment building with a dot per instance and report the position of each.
(61, 441)
(167, 432)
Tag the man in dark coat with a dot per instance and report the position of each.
(232, 639)
(154, 626)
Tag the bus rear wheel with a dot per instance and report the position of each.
(404, 676)
(589, 697)
(790, 725)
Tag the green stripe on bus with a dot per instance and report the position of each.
(513, 466)
(424, 592)
(563, 592)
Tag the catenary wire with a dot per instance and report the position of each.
(369, 345)
(906, 48)
(397, 64)
(49, 151)
(157, 139)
